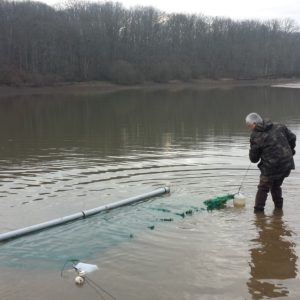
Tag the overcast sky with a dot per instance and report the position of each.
(235, 9)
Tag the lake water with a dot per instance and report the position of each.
(62, 154)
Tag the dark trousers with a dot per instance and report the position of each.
(265, 185)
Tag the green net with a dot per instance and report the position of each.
(217, 202)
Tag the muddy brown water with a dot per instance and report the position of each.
(61, 154)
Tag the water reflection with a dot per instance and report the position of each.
(114, 122)
(273, 259)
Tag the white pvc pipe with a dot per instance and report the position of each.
(83, 214)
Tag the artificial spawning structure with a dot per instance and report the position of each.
(80, 215)
(218, 202)
(238, 198)
(213, 203)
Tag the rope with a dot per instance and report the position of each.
(244, 178)
(98, 288)
(71, 260)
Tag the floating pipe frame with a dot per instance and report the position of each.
(80, 215)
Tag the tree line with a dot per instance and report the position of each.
(40, 44)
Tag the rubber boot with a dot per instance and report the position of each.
(261, 197)
(258, 210)
(277, 197)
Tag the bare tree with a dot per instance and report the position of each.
(83, 41)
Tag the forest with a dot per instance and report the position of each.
(81, 41)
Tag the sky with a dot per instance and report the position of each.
(235, 9)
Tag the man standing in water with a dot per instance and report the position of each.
(273, 146)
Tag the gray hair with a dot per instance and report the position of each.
(254, 118)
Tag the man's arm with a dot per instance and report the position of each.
(291, 137)
(255, 151)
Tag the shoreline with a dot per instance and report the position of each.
(107, 87)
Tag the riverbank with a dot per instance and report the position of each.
(106, 87)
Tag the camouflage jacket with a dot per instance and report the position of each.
(273, 146)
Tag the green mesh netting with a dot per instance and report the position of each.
(217, 202)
